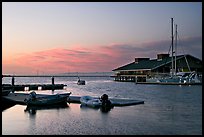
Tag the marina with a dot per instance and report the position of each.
(143, 108)
(165, 70)
(102, 68)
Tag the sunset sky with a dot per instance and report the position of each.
(58, 37)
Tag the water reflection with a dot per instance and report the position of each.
(33, 109)
(106, 109)
(102, 109)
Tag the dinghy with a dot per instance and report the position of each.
(47, 100)
(90, 101)
(96, 102)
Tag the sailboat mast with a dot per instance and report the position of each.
(172, 49)
(175, 47)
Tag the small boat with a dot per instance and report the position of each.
(96, 102)
(90, 101)
(81, 82)
(46, 100)
(176, 77)
(183, 77)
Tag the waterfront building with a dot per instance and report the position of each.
(143, 68)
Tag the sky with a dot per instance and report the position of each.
(59, 37)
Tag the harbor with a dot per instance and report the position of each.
(102, 68)
(165, 69)
(170, 106)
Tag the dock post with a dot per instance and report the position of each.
(135, 79)
(53, 83)
(12, 83)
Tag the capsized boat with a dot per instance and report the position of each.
(46, 100)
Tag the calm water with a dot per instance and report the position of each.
(168, 110)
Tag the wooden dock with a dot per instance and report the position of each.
(141, 79)
(33, 87)
(18, 98)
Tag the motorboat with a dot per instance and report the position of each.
(94, 102)
(81, 82)
(33, 100)
(90, 101)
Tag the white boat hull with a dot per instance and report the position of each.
(90, 101)
(48, 100)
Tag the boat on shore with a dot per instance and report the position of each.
(33, 100)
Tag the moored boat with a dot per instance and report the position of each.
(47, 100)
(90, 101)
(176, 76)
(81, 82)
(96, 102)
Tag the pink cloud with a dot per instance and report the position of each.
(60, 60)
(101, 58)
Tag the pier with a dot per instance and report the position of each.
(32, 87)
(51, 86)
(130, 78)
(18, 98)
(14, 87)
(142, 79)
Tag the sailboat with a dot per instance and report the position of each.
(179, 77)
(80, 82)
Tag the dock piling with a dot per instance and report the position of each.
(53, 83)
(12, 83)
